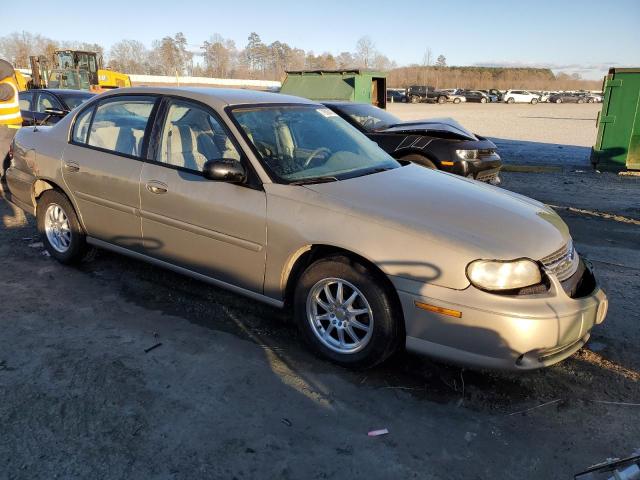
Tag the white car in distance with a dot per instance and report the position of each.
(520, 96)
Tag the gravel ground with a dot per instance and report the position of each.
(542, 134)
(232, 394)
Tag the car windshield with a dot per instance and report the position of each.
(74, 99)
(308, 143)
(371, 118)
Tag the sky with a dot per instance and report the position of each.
(569, 36)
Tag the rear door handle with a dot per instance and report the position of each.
(157, 187)
(71, 167)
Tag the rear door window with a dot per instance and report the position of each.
(119, 124)
(25, 99)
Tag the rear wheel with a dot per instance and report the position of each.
(420, 160)
(559, 100)
(414, 99)
(456, 100)
(345, 313)
(580, 100)
(442, 100)
(59, 227)
(591, 100)
(534, 101)
(510, 100)
(483, 100)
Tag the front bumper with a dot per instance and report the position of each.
(506, 332)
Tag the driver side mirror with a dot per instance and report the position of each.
(224, 170)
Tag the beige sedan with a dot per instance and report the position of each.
(279, 199)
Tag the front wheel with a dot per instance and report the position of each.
(59, 227)
(510, 100)
(591, 100)
(345, 313)
(456, 100)
(534, 101)
(414, 99)
(442, 100)
(483, 100)
(580, 101)
(559, 100)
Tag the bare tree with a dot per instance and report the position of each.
(365, 51)
(129, 56)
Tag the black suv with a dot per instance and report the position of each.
(422, 93)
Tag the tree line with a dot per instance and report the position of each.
(221, 58)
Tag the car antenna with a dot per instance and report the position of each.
(42, 122)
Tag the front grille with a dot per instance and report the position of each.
(486, 152)
(563, 262)
(488, 175)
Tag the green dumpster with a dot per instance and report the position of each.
(618, 142)
(365, 86)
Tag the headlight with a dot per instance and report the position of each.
(503, 275)
(467, 154)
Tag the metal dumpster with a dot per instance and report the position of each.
(364, 86)
(618, 142)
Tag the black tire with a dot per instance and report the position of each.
(534, 101)
(483, 100)
(78, 245)
(456, 100)
(386, 330)
(414, 99)
(442, 100)
(580, 101)
(558, 100)
(420, 160)
(510, 100)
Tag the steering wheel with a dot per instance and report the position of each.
(314, 154)
(369, 123)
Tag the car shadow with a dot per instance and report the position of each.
(523, 152)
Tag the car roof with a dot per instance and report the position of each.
(216, 97)
(58, 91)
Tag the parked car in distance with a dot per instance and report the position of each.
(520, 96)
(396, 96)
(440, 144)
(280, 199)
(568, 97)
(476, 96)
(593, 98)
(492, 97)
(422, 93)
(48, 106)
(454, 95)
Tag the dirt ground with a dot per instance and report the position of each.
(542, 134)
(231, 393)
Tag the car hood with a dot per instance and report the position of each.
(475, 219)
(447, 125)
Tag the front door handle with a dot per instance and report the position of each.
(71, 167)
(157, 187)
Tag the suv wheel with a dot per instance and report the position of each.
(414, 99)
(345, 313)
(442, 100)
(59, 227)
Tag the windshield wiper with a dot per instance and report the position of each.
(310, 180)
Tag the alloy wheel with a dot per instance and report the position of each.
(339, 315)
(57, 228)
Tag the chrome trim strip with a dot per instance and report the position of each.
(184, 271)
(205, 232)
